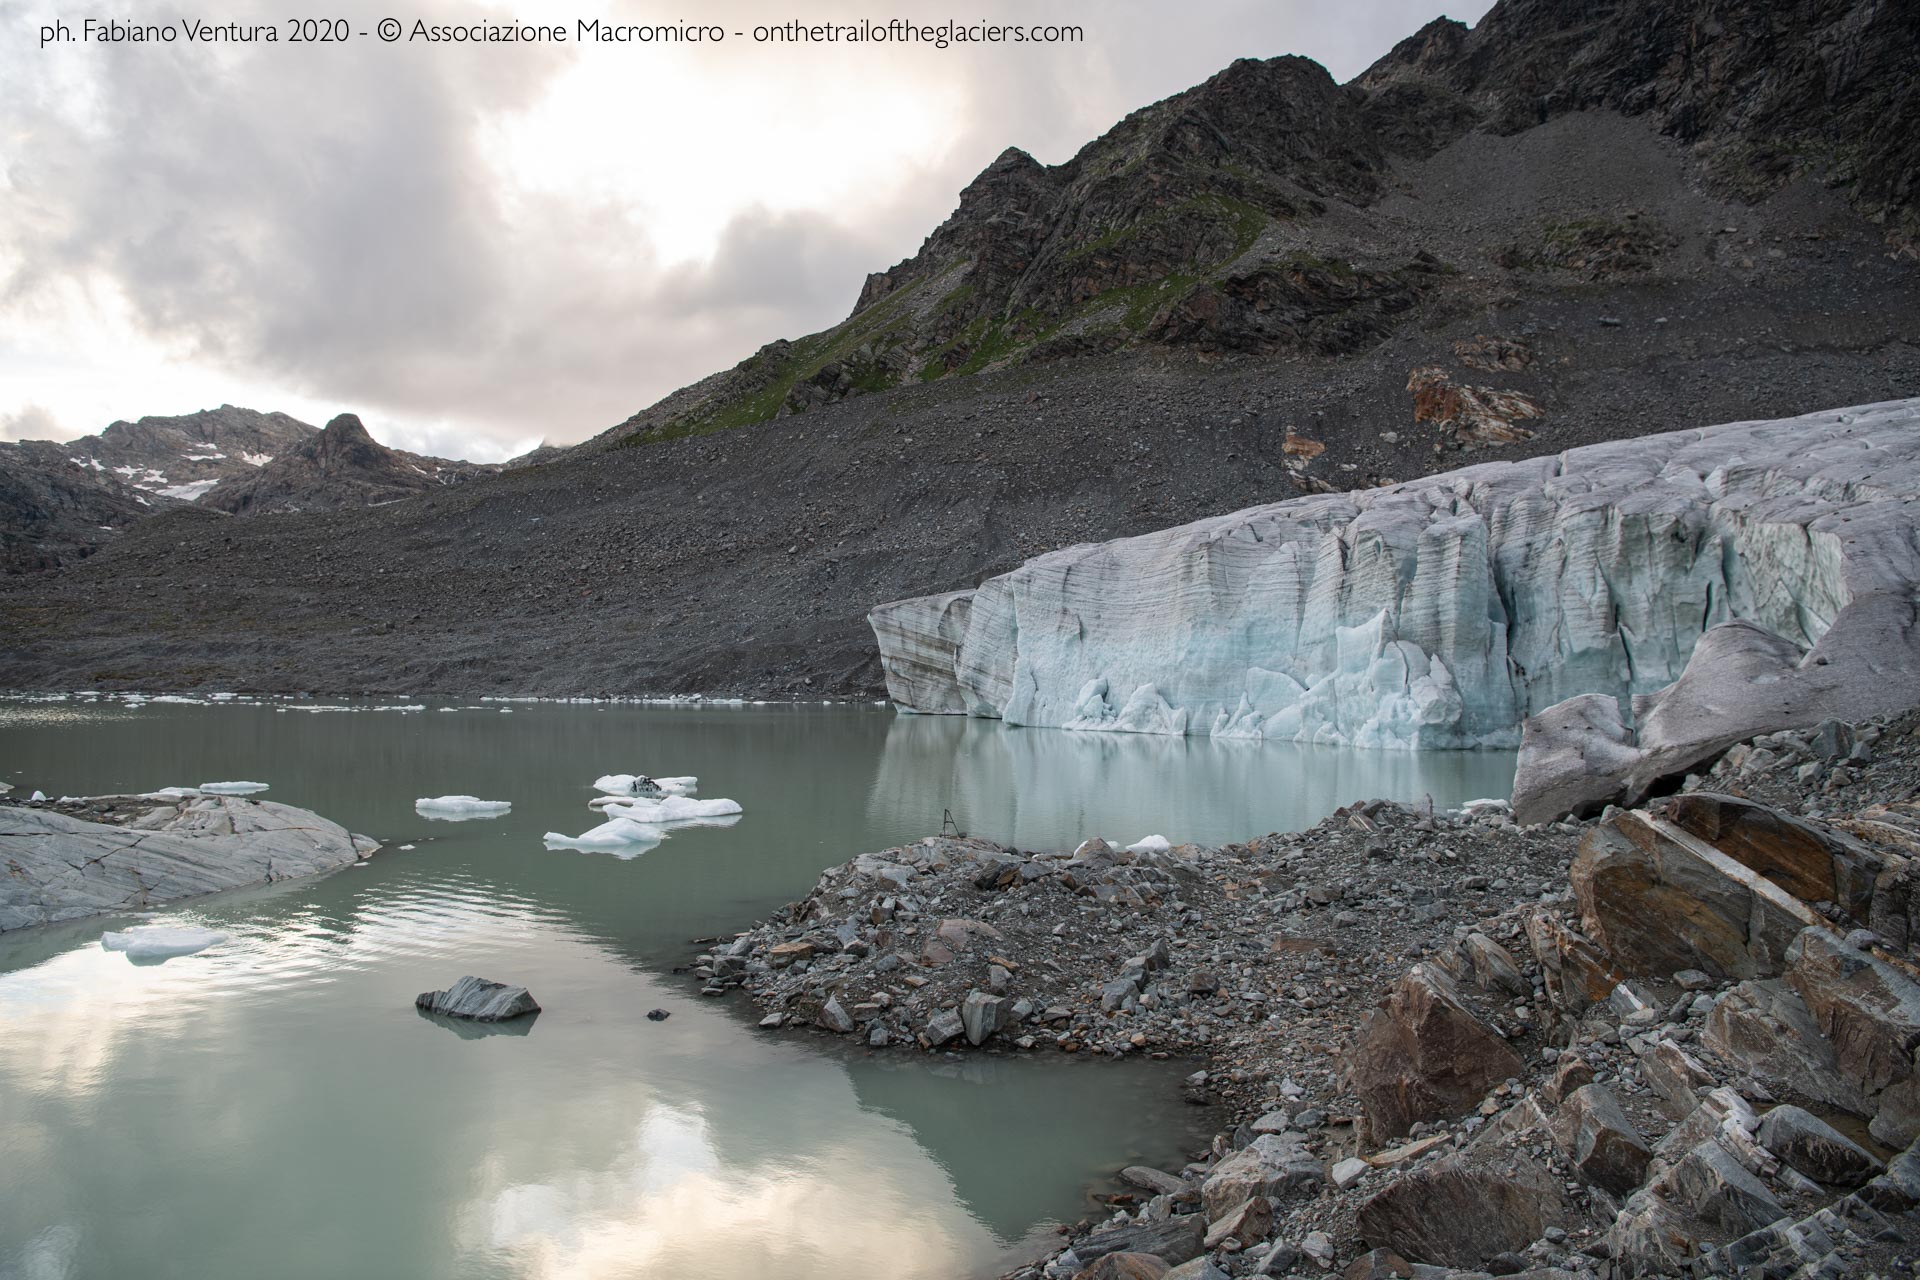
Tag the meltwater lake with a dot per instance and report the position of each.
(275, 1106)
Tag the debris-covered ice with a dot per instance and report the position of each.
(639, 784)
(160, 942)
(459, 808)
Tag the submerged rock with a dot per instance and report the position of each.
(479, 1000)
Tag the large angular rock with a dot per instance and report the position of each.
(1462, 1211)
(1124, 1266)
(61, 868)
(1424, 1056)
(1811, 861)
(1720, 1191)
(1274, 1165)
(1572, 757)
(1597, 1137)
(1815, 1147)
(1658, 900)
(1866, 1007)
(479, 1000)
(1576, 974)
(1764, 1030)
(1173, 1240)
(1676, 1076)
(982, 1015)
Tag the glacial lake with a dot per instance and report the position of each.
(275, 1106)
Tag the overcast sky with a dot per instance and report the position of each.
(479, 248)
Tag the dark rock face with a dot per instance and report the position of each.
(1461, 1212)
(54, 512)
(339, 467)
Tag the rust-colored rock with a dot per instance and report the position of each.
(1461, 1211)
(1125, 1266)
(1658, 899)
(1493, 354)
(1867, 1009)
(1595, 1134)
(1472, 415)
(1812, 862)
(1424, 1056)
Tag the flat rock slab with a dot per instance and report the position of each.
(479, 1000)
(54, 866)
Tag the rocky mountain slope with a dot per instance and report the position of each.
(1506, 293)
(52, 511)
(183, 457)
(339, 467)
(1254, 211)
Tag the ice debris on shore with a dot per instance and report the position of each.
(231, 788)
(160, 942)
(459, 808)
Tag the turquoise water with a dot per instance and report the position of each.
(275, 1105)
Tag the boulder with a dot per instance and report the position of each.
(1577, 975)
(1273, 1165)
(61, 868)
(1815, 1148)
(1811, 861)
(1492, 967)
(1868, 1009)
(1197, 1269)
(1157, 1181)
(1378, 1264)
(1572, 757)
(1424, 1056)
(1676, 1077)
(1763, 1029)
(1173, 1240)
(1248, 1222)
(1124, 1266)
(1599, 1139)
(1658, 900)
(1719, 1191)
(834, 1017)
(479, 1000)
(1461, 1211)
(981, 1015)
(943, 1027)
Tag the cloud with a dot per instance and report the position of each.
(486, 245)
(29, 422)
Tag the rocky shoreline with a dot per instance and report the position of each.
(1672, 1040)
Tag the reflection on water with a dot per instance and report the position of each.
(276, 1104)
(1040, 787)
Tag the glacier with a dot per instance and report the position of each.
(1443, 612)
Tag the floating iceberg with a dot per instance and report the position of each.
(231, 788)
(1443, 612)
(460, 808)
(639, 784)
(622, 837)
(672, 809)
(160, 942)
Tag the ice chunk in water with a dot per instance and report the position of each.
(622, 837)
(634, 784)
(160, 942)
(459, 808)
(231, 788)
(672, 809)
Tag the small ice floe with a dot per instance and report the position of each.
(231, 788)
(672, 809)
(154, 942)
(1152, 844)
(171, 793)
(459, 808)
(621, 837)
(639, 784)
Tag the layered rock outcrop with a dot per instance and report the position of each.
(154, 849)
(1721, 582)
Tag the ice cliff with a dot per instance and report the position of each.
(1443, 612)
